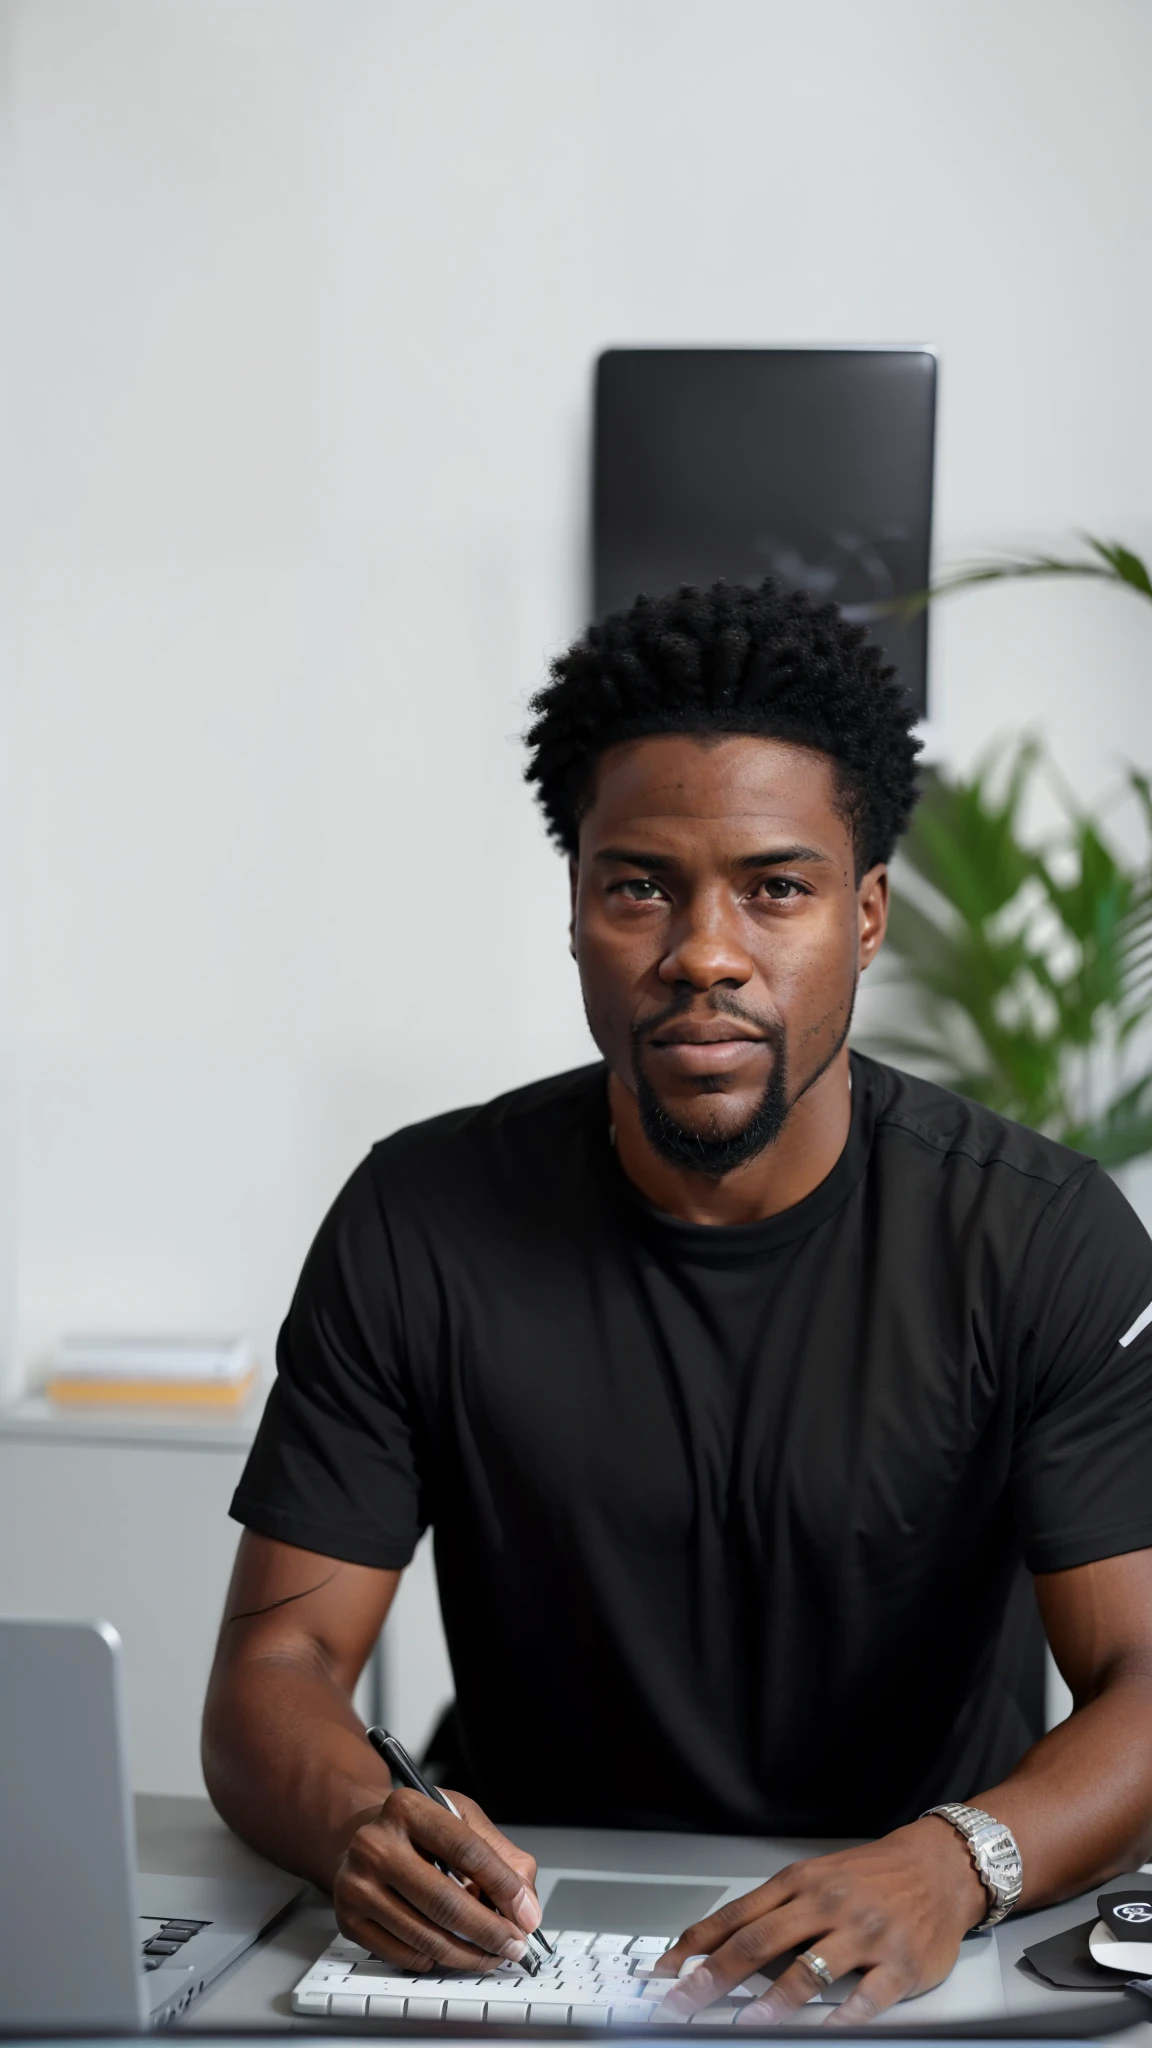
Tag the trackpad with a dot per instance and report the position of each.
(629, 1905)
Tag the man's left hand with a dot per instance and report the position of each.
(896, 1909)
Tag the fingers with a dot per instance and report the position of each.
(745, 1952)
(471, 1855)
(423, 1914)
(704, 1937)
(798, 1983)
(888, 1908)
(397, 1934)
(517, 1859)
(876, 1991)
(390, 1896)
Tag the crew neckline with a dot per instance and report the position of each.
(729, 1243)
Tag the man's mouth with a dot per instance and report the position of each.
(707, 1045)
(705, 1031)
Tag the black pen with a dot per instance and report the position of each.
(405, 1772)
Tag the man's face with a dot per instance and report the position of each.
(719, 932)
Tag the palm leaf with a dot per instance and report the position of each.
(1114, 563)
(1122, 1132)
(1027, 971)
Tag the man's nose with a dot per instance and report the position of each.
(706, 945)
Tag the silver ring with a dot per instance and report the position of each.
(817, 1965)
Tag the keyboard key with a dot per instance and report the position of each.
(156, 1947)
(389, 1982)
(313, 2002)
(714, 2016)
(594, 1979)
(425, 2008)
(348, 2005)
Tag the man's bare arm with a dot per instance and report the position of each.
(1079, 1804)
(1080, 1801)
(285, 1760)
(287, 1766)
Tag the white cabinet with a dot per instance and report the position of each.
(139, 1535)
(109, 1517)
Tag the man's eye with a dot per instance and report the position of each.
(780, 888)
(639, 890)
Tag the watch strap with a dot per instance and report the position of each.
(994, 1853)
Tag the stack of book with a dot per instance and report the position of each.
(182, 1371)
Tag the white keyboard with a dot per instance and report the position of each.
(592, 1980)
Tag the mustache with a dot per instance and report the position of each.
(720, 1003)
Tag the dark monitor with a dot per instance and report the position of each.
(813, 465)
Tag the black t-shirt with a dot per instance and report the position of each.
(728, 1521)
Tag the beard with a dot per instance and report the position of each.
(715, 1153)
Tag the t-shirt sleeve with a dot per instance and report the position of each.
(1082, 1468)
(335, 1465)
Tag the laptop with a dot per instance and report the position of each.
(86, 1941)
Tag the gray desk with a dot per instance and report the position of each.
(185, 1836)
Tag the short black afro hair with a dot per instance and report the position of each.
(731, 659)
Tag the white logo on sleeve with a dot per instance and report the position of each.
(1141, 1323)
(1138, 1910)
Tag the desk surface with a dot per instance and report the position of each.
(185, 1837)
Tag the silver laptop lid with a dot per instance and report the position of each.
(68, 1930)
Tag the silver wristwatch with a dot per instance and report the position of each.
(993, 1850)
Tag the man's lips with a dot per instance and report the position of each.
(712, 1032)
(710, 1047)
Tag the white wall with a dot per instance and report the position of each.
(306, 297)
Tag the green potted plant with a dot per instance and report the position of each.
(1027, 968)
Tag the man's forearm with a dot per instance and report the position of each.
(1080, 1802)
(286, 1763)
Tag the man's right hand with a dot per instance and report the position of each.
(288, 1767)
(390, 1897)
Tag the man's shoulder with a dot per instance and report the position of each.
(534, 1122)
(954, 1132)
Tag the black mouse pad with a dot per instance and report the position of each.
(1127, 1914)
(1067, 1961)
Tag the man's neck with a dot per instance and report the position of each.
(804, 1154)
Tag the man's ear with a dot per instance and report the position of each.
(872, 914)
(573, 885)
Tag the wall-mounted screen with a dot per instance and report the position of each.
(813, 465)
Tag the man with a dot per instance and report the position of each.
(740, 1379)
